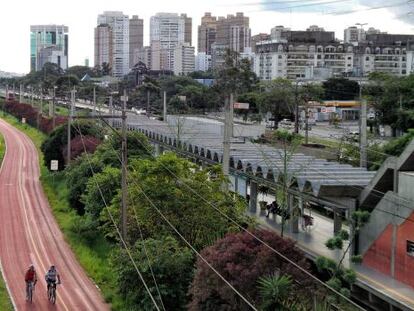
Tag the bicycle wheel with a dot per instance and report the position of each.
(30, 293)
(53, 298)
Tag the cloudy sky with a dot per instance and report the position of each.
(16, 16)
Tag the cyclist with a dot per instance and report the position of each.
(30, 277)
(51, 277)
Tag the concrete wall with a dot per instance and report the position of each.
(406, 185)
(380, 218)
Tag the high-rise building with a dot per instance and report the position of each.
(354, 35)
(188, 29)
(276, 33)
(315, 28)
(168, 31)
(202, 62)
(143, 55)
(119, 25)
(103, 45)
(184, 59)
(258, 38)
(136, 37)
(233, 33)
(207, 33)
(48, 44)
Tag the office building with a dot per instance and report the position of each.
(207, 33)
(136, 37)
(118, 23)
(48, 44)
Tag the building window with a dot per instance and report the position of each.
(410, 248)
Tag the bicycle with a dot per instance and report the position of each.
(51, 292)
(29, 293)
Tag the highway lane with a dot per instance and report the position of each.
(29, 234)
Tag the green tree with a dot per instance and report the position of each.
(53, 146)
(235, 75)
(107, 154)
(162, 181)
(106, 184)
(278, 98)
(340, 89)
(172, 266)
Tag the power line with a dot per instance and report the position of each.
(246, 230)
(116, 227)
(182, 237)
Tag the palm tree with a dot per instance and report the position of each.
(274, 291)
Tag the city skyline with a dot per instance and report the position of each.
(82, 21)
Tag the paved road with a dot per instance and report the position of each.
(30, 234)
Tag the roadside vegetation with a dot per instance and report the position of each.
(169, 266)
(5, 303)
(176, 209)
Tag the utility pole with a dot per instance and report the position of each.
(231, 112)
(53, 108)
(71, 113)
(124, 168)
(94, 102)
(165, 107)
(226, 139)
(306, 123)
(5, 100)
(148, 103)
(363, 140)
(21, 94)
(111, 108)
(39, 111)
(394, 220)
(296, 108)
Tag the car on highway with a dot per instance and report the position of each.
(286, 124)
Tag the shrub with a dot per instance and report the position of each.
(243, 260)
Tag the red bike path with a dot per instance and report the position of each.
(29, 234)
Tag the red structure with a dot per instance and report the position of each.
(378, 256)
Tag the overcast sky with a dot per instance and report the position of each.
(16, 16)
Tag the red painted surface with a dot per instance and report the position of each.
(29, 234)
(378, 256)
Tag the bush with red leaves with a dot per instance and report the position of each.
(242, 260)
(20, 110)
(79, 145)
(46, 124)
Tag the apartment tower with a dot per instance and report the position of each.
(119, 25)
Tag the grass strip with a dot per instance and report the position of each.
(94, 258)
(5, 303)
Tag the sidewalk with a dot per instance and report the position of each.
(312, 242)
